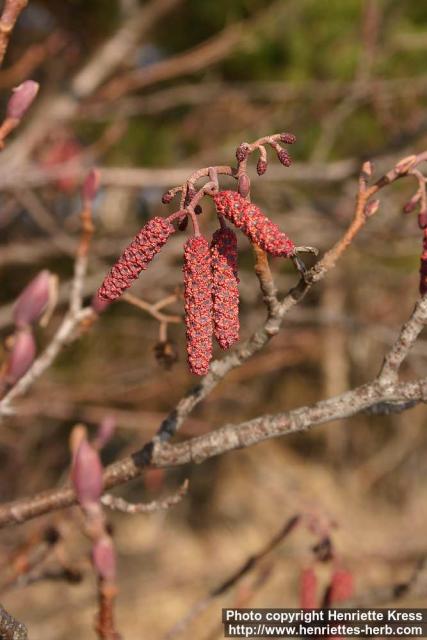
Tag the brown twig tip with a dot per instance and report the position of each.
(225, 290)
(252, 221)
(198, 303)
(136, 258)
(21, 99)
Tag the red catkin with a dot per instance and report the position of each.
(340, 587)
(251, 220)
(308, 589)
(225, 290)
(136, 257)
(198, 303)
(423, 266)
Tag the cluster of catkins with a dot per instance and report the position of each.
(211, 293)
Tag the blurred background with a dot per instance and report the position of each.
(349, 80)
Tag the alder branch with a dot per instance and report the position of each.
(383, 391)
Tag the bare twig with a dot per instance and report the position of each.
(116, 503)
(8, 18)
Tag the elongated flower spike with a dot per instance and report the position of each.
(198, 303)
(225, 290)
(252, 221)
(136, 258)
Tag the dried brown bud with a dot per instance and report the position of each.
(183, 223)
(91, 185)
(167, 197)
(242, 152)
(104, 558)
(33, 300)
(21, 99)
(166, 353)
(261, 166)
(288, 138)
(86, 474)
(21, 356)
(244, 185)
(198, 209)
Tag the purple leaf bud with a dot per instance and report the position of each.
(422, 220)
(261, 166)
(105, 431)
(104, 558)
(242, 152)
(86, 474)
(167, 197)
(288, 138)
(99, 305)
(91, 185)
(33, 300)
(21, 99)
(21, 356)
(244, 185)
(411, 205)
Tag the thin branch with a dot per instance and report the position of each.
(11, 12)
(116, 503)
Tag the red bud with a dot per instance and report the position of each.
(91, 185)
(104, 558)
(21, 356)
(33, 300)
(21, 99)
(86, 474)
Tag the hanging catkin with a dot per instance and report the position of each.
(225, 291)
(136, 257)
(198, 303)
(252, 221)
